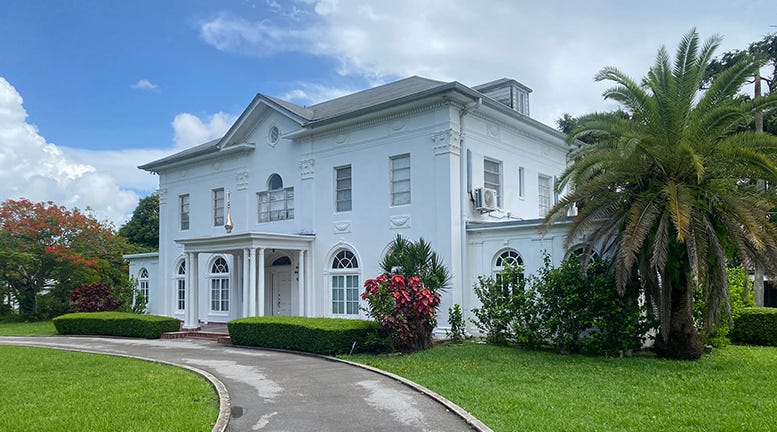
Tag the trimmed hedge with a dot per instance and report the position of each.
(115, 324)
(316, 335)
(755, 326)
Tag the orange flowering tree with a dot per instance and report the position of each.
(48, 248)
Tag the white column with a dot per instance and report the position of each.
(260, 263)
(252, 285)
(188, 304)
(195, 289)
(246, 282)
(301, 285)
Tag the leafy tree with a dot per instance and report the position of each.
(416, 259)
(663, 190)
(48, 248)
(143, 227)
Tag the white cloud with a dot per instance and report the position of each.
(306, 93)
(191, 130)
(554, 47)
(37, 170)
(145, 84)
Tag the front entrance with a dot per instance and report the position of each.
(280, 287)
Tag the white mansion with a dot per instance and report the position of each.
(292, 209)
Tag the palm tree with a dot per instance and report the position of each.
(416, 259)
(671, 190)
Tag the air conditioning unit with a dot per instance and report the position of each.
(485, 200)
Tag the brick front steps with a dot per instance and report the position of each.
(222, 338)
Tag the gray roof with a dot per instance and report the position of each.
(373, 98)
(500, 83)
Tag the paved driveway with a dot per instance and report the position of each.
(276, 391)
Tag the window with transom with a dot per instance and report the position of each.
(345, 283)
(219, 285)
(143, 283)
(505, 258)
(277, 202)
(180, 285)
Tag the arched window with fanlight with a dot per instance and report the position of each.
(180, 285)
(277, 202)
(143, 283)
(219, 285)
(345, 283)
(584, 252)
(503, 259)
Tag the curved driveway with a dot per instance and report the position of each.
(278, 391)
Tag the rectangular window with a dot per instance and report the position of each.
(492, 178)
(276, 205)
(181, 294)
(218, 207)
(544, 194)
(143, 285)
(343, 188)
(345, 294)
(400, 180)
(219, 295)
(183, 210)
(521, 182)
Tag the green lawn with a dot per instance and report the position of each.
(38, 328)
(509, 389)
(52, 390)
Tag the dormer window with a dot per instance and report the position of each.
(277, 202)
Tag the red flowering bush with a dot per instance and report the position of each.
(96, 297)
(404, 308)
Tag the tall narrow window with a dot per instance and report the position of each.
(343, 188)
(521, 182)
(400, 180)
(219, 285)
(218, 207)
(544, 194)
(345, 284)
(183, 210)
(143, 282)
(492, 178)
(180, 286)
(277, 203)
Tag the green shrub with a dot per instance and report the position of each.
(739, 299)
(317, 335)
(116, 324)
(456, 320)
(755, 326)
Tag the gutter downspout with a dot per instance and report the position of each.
(465, 199)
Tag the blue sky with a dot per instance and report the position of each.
(91, 89)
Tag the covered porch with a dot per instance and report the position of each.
(247, 274)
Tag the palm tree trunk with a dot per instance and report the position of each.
(681, 341)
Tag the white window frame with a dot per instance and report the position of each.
(180, 286)
(275, 204)
(544, 193)
(218, 206)
(497, 264)
(400, 180)
(344, 285)
(143, 283)
(488, 183)
(184, 212)
(343, 204)
(219, 286)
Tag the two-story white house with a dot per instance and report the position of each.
(292, 209)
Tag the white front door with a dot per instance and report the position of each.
(281, 291)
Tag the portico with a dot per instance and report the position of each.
(247, 274)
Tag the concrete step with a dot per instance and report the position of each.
(189, 334)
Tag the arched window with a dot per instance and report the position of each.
(282, 261)
(503, 259)
(180, 285)
(277, 202)
(143, 282)
(582, 252)
(219, 285)
(345, 283)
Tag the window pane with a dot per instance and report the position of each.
(218, 207)
(343, 188)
